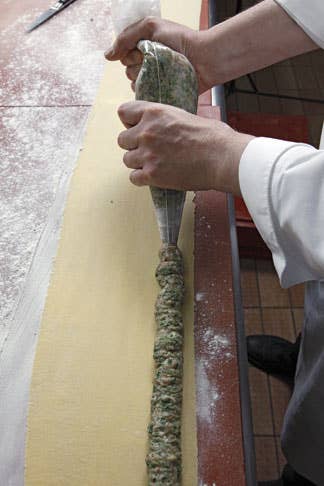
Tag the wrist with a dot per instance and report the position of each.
(227, 165)
(201, 56)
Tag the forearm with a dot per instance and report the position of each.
(252, 40)
(226, 167)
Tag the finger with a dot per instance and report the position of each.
(133, 86)
(138, 177)
(131, 113)
(132, 159)
(128, 140)
(132, 72)
(128, 39)
(132, 58)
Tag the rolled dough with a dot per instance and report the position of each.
(92, 378)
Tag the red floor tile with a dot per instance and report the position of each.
(278, 322)
(261, 406)
(252, 321)
(298, 315)
(296, 294)
(280, 396)
(266, 459)
(250, 292)
(272, 295)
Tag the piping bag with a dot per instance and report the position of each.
(165, 77)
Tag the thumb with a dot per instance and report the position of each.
(129, 37)
(131, 112)
(138, 178)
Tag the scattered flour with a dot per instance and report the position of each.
(216, 347)
(41, 75)
(207, 393)
(56, 66)
(59, 63)
(38, 147)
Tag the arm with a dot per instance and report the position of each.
(256, 38)
(237, 45)
(281, 182)
(287, 206)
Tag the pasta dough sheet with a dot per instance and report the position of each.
(92, 378)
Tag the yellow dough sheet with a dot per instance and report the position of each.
(92, 378)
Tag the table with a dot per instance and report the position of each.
(45, 103)
(48, 81)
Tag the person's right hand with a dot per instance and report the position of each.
(180, 38)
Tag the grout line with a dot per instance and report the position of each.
(292, 314)
(277, 89)
(267, 435)
(268, 379)
(298, 89)
(284, 307)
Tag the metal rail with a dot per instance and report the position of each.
(218, 99)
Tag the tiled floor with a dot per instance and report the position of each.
(302, 76)
(268, 309)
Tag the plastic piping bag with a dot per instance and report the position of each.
(165, 77)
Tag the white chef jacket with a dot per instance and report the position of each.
(282, 184)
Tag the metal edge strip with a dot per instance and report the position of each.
(218, 99)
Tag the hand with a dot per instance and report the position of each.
(170, 148)
(182, 39)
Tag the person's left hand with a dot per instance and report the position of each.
(170, 148)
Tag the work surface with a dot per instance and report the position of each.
(49, 79)
(47, 91)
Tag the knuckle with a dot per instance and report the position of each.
(152, 159)
(125, 61)
(152, 171)
(137, 57)
(172, 126)
(155, 110)
(147, 136)
(134, 58)
(151, 23)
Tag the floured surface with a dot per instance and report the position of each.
(41, 75)
(59, 63)
(34, 154)
(92, 380)
(36, 161)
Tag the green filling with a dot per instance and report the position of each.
(164, 456)
(167, 77)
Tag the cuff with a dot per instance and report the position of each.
(308, 15)
(256, 169)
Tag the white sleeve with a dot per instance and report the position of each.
(309, 15)
(282, 184)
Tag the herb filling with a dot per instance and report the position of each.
(167, 77)
(164, 456)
